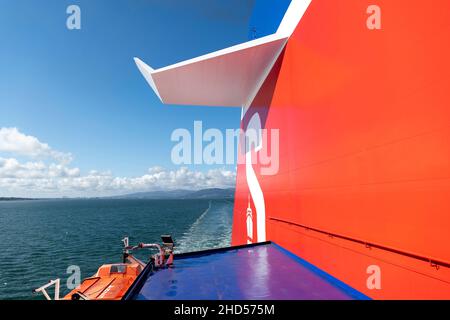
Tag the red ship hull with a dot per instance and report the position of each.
(364, 130)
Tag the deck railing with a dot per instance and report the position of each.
(435, 263)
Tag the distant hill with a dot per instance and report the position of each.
(213, 193)
(172, 194)
(15, 199)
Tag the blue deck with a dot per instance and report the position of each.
(246, 273)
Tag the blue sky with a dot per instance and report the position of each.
(80, 92)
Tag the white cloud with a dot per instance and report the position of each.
(35, 178)
(54, 177)
(14, 142)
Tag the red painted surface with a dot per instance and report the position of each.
(364, 120)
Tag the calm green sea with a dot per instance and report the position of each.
(39, 240)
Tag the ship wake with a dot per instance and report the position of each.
(212, 229)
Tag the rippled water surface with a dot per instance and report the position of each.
(39, 240)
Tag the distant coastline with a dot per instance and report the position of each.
(212, 193)
(16, 199)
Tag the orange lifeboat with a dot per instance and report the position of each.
(112, 281)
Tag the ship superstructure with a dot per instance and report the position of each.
(362, 186)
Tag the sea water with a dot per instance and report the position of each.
(39, 240)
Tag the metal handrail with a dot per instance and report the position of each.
(436, 263)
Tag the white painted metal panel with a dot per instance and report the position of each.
(229, 77)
